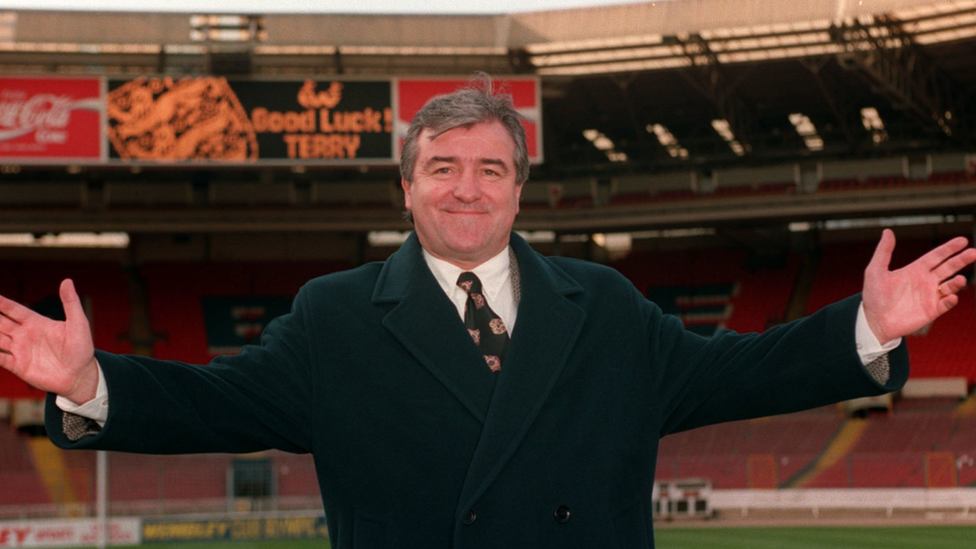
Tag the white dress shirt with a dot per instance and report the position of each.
(496, 284)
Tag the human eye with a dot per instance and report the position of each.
(441, 169)
(492, 172)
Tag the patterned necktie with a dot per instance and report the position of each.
(486, 329)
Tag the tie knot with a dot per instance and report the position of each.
(469, 282)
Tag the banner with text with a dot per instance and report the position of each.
(68, 533)
(161, 119)
(209, 119)
(243, 529)
(51, 119)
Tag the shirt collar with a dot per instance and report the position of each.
(492, 273)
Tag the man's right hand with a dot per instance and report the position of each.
(57, 357)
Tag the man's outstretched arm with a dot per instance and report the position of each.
(54, 356)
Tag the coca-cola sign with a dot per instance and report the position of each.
(51, 119)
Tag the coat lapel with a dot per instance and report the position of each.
(545, 333)
(427, 324)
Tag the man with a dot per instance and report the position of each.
(423, 435)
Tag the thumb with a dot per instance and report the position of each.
(73, 311)
(882, 253)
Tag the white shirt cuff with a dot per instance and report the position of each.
(868, 346)
(95, 409)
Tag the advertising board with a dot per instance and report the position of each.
(413, 93)
(51, 119)
(194, 119)
(68, 533)
(167, 121)
(294, 527)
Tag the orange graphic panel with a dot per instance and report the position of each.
(188, 119)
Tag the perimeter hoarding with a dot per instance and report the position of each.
(238, 529)
(51, 119)
(68, 533)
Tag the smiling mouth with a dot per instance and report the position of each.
(465, 212)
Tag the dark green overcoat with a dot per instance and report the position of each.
(417, 445)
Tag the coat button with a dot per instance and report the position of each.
(470, 517)
(561, 514)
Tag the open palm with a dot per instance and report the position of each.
(899, 302)
(53, 356)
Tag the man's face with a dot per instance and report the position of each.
(464, 197)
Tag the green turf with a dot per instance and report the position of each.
(818, 537)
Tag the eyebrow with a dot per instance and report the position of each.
(453, 159)
(494, 162)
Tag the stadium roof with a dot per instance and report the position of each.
(427, 7)
(621, 70)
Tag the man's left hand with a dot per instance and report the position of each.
(899, 302)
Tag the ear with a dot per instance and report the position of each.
(406, 193)
(518, 197)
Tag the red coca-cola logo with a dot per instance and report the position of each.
(50, 118)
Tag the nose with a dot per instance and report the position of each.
(468, 187)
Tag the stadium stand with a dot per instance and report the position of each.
(296, 476)
(102, 286)
(721, 452)
(909, 445)
(22, 485)
(176, 310)
(889, 451)
(946, 349)
(712, 289)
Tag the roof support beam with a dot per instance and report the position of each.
(706, 74)
(839, 108)
(886, 56)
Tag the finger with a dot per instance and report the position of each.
(955, 263)
(6, 359)
(73, 311)
(6, 342)
(7, 325)
(14, 310)
(882, 253)
(938, 255)
(952, 286)
(947, 303)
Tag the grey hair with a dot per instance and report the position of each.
(474, 104)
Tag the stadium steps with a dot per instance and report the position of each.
(840, 446)
(140, 335)
(966, 408)
(803, 287)
(50, 464)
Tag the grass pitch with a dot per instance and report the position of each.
(818, 537)
(806, 537)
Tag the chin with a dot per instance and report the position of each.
(468, 248)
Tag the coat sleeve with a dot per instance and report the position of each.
(258, 399)
(804, 364)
